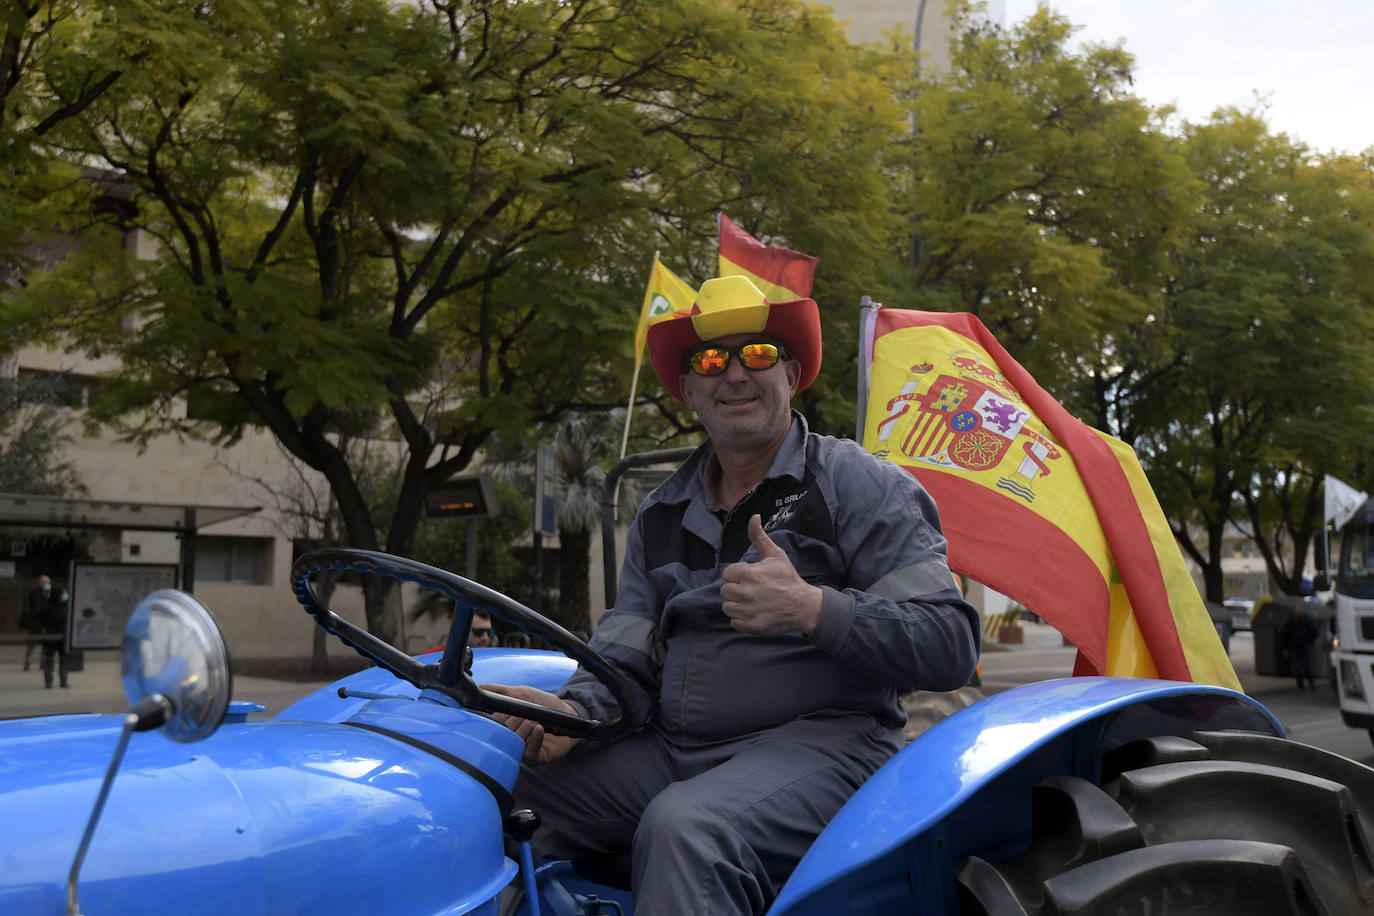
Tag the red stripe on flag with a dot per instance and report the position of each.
(1106, 483)
(1030, 558)
(789, 269)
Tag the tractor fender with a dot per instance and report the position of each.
(906, 831)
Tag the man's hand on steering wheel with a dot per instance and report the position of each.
(540, 746)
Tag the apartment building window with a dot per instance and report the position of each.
(236, 560)
(65, 389)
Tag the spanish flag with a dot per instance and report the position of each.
(1035, 503)
(781, 273)
(666, 293)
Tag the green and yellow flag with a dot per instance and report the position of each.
(666, 293)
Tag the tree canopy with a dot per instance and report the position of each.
(431, 218)
(1201, 291)
(432, 221)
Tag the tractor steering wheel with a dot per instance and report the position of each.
(448, 676)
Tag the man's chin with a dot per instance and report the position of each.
(742, 432)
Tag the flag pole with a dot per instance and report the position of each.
(634, 380)
(625, 436)
(868, 315)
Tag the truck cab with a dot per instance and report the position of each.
(1353, 656)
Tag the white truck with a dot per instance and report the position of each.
(1352, 657)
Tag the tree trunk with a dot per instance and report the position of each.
(383, 614)
(574, 557)
(1212, 576)
(319, 654)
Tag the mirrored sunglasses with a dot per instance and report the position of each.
(755, 355)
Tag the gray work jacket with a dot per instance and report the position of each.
(863, 529)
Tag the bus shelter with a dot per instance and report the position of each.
(44, 535)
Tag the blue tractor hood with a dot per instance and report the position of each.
(397, 810)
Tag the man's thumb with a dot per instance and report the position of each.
(761, 541)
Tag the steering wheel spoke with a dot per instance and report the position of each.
(449, 676)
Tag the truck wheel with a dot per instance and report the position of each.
(1227, 823)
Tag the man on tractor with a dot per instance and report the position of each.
(779, 592)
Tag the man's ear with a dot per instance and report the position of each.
(684, 385)
(793, 369)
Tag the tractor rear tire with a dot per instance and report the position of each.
(1226, 824)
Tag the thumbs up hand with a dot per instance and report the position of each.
(768, 598)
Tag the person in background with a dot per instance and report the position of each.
(1299, 635)
(479, 637)
(55, 624)
(32, 620)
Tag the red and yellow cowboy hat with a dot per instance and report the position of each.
(734, 305)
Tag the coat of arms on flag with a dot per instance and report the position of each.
(966, 415)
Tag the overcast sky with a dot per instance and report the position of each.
(1310, 61)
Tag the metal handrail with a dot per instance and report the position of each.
(608, 504)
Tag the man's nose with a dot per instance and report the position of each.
(736, 371)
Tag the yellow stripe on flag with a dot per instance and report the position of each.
(771, 291)
(780, 273)
(1127, 654)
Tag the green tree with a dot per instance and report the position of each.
(48, 76)
(585, 445)
(1264, 352)
(1327, 259)
(1203, 294)
(1039, 184)
(436, 217)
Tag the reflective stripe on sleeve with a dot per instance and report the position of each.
(631, 633)
(927, 577)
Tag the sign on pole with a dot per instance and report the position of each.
(467, 495)
(546, 491)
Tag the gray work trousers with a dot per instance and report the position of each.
(712, 826)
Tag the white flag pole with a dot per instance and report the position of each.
(868, 316)
(629, 410)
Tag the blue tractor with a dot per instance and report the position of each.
(389, 792)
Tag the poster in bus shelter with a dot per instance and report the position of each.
(104, 596)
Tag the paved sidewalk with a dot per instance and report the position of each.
(100, 689)
(1042, 636)
(1033, 636)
